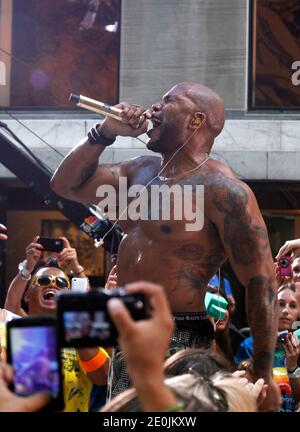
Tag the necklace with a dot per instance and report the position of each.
(187, 172)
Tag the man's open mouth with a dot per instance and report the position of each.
(156, 122)
(49, 294)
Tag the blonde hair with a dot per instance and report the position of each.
(222, 392)
(239, 399)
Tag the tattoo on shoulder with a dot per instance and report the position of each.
(247, 240)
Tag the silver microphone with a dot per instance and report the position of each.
(105, 109)
(96, 106)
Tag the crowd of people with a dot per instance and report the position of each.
(182, 357)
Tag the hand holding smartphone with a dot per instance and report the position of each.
(51, 244)
(33, 351)
(285, 266)
(83, 318)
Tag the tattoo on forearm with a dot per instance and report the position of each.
(261, 303)
(262, 318)
(263, 360)
(87, 173)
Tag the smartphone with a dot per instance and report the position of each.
(51, 244)
(33, 351)
(79, 284)
(282, 336)
(285, 266)
(83, 319)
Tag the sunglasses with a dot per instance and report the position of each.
(45, 281)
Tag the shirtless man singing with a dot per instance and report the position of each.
(171, 252)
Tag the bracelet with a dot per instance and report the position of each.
(175, 408)
(295, 374)
(96, 137)
(23, 277)
(95, 362)
(81, 270)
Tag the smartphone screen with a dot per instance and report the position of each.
(34, 355)
(83, 319)
(81, 326)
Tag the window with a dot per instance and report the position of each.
(274, 54)
(51, 48)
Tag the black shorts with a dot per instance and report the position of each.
(193, 330)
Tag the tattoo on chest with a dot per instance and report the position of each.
(189, 277)
(199, 254)
(191, 252)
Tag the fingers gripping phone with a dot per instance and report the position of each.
(33, 352)
(83, 319)
(285, 266)
(51, 244)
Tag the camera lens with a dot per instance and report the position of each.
(139, 304)
(284, 262)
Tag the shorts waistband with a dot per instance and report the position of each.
(182, 317)
(197, 324)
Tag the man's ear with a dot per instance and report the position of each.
(198, 120)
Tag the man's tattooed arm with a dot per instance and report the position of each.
(234, 211)
(262, 312)
(80, 174)
(87, 173)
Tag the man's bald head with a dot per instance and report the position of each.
(205, 101)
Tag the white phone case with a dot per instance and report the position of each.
(79, 284)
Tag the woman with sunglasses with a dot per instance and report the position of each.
(82, 367)
(33, 261)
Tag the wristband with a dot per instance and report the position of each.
(80, 270)
(295, 374)
(175, 408)
(95, 362)
(96, 137)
